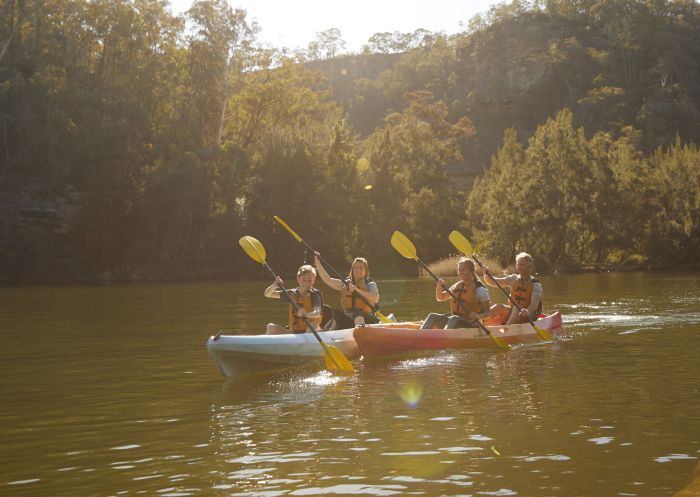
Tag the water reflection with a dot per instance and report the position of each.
(110, 391)
(382, 423)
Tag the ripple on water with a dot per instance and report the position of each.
(347, 489)
(24, 482)
(673, 457)
(274, 457)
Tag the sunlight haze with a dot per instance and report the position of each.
(295, 24)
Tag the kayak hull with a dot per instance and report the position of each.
(383, 341)
(242, 354)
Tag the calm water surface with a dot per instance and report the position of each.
(110, 391)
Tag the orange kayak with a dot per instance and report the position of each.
(388, 340)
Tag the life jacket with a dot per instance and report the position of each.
(467, 296)
(521, 293)
(350, 300)
(296, 323)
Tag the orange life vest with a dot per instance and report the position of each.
(350, 300)
(297, 323)
(521, 293)
(467, 296)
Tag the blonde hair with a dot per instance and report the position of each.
(524, 255)
(354, 262)
(306, 268)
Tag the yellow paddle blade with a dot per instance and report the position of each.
(544, 334)
(461, 243)
(403, 245)
(286, 226)
(258, 248)
(336, 360)
(253, 248)
(500, 342)
(383, 318)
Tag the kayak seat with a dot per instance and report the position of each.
(327, 321)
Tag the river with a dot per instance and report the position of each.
(109, 390)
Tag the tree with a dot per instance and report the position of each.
(220, 50)
(674, 221)
(410, 157)
(327, 45)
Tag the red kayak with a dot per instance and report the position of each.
(379, 340)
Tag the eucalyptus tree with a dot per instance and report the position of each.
(673, 216)
(84, 109)
(493, 214)
(300, 154)
(220, 51)
(326, 45)
(191, 172)
(410, 157)
(551, 199)
(397, 42)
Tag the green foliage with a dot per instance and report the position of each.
(174, 136)
(410, 156)
(572, 201)
(674, 221)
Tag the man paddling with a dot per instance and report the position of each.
(525, 290)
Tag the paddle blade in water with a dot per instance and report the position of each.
(500, 342)
(336, 361)
(544, 334)
(403, 245)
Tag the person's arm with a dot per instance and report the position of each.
(274, 291)
(535, 301)
(440, 294)
(316, 313)
(495, 280)
(334, 283)
(482, 295)
(371, 295)
(316, 302)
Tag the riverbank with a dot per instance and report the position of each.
(448, 267)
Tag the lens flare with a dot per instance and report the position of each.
(411, 394)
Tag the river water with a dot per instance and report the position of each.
(109, 390)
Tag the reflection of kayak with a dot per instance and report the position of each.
(239, 354)
(379, 340)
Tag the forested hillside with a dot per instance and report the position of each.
(135, 144)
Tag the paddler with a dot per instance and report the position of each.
(308, 300)
(525, 290)
(473, 296)
(358, 293)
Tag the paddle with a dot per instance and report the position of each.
(335, 359)
(462, 244)
(375, 307)
(405, 247)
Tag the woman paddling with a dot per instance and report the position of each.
(358, 294)
(474, 300)
(305, 296)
